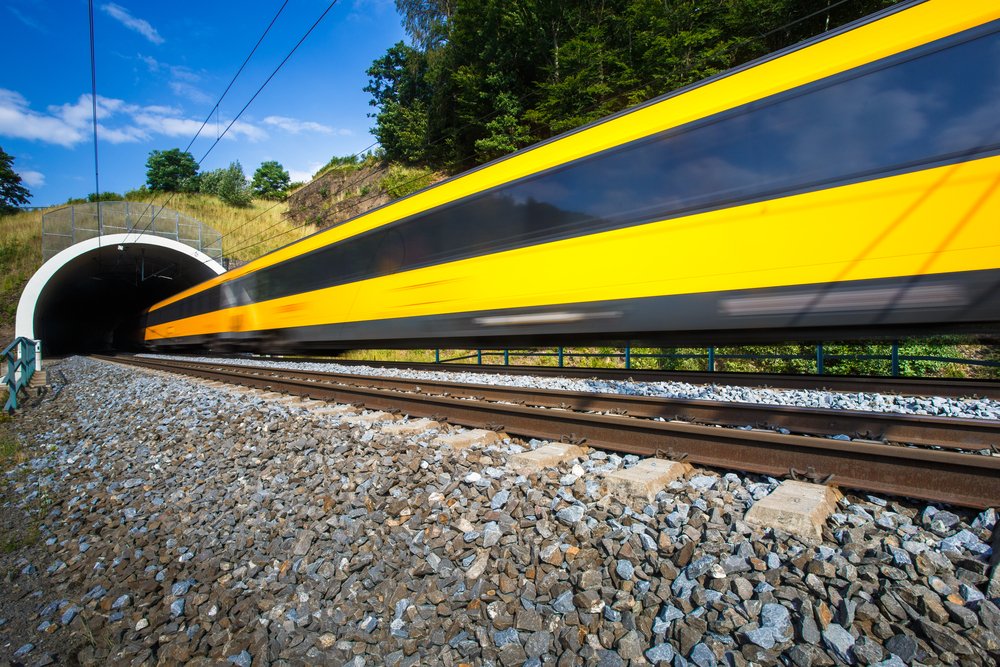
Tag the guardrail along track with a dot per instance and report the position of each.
(893, 385)
(943, 476)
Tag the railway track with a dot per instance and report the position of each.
(934, 458)
(950, 387)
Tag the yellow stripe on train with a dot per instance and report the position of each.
(939, 220)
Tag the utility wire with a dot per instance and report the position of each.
(93, 106)
(215, 108)
(278, 203)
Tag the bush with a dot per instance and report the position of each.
(229, 184)
(104, 196)
(400, 181)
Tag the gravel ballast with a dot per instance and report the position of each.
(970, 408)
(185, 523)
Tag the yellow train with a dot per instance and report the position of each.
(844, 187)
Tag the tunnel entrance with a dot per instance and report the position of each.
(88, 297)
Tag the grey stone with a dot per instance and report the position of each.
(944, 637)
(570, 515)
(181, 587)
(69, 615)
(242, 659)
(778, 620)
(24, 650)
(491, 534)
(630, 646)
(661, 653)
(499, 499)
(177, 607)
(702, 656)
(903, 646)
(840, 641)
(538, 644)
(625, 569)
(762, 637)
(503, 637)
(867, 652)
(368, 624)
(564, 603)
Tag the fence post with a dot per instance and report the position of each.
(437, 355)
(177, 228)
(560, 356)
(895, 358)
(72, 222)
(506, 357)
(711, 359)
(819, 358)
(628, 357)
(479, 357)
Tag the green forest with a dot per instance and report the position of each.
(482, 78)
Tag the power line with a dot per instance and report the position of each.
(272, 206)
(215, 108)
(93, 105)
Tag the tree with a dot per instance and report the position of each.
(233, 188)
(270, 181)
(172, 170)
(12, 193)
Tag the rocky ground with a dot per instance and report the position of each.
(181, 523)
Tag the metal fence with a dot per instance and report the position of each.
(65, 226)
(822, 361)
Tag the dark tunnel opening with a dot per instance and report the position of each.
(93, 303)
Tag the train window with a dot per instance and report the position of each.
(931, 106)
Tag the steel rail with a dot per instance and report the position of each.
(969, 480)
(952, 388)
(924, 430)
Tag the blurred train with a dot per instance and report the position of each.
(844, 187)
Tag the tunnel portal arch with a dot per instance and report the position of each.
(88, 297)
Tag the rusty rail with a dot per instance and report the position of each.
(971, 480)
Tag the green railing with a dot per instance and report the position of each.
(819, 358)
(22, 360)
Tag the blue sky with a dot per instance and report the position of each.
(161, 66)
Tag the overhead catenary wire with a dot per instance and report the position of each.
(93, 105)
(278, 203)
(219, 136)
(215, 109)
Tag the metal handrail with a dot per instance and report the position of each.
(22, 361)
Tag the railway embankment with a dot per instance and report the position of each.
(179, 521)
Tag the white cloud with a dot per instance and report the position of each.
(27, 20)
(295, 126)
(304, 175)
(141, 26)
(34, 179)
(19, 121)
(119, 122)
(172, 126)
(193, 93)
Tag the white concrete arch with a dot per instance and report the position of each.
(24, 324)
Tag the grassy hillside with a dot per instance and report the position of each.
(20, 256)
